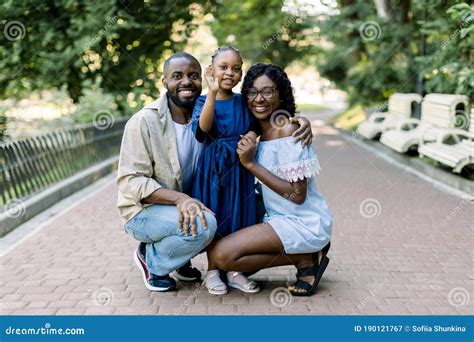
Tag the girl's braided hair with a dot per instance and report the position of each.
(225, 48)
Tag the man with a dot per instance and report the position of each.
(157, 162)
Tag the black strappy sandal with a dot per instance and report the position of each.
(316, 270)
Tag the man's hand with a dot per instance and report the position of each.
(247, 148)
(188, 209)
(303, 133)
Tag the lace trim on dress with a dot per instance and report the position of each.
(297, 171)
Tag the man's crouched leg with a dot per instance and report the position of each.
(163, 247)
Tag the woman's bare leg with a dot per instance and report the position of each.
(252, 249)
(255, 248)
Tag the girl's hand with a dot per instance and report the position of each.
(212, 82)
(304, 133)
(247, 149)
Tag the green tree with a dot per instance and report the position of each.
(55, 42)
(3, 123)
(366, 55)
(448, 65)
(263, 30)
(373, 49)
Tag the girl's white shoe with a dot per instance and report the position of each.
(214, 283)
(238, 281)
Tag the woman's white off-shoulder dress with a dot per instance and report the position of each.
(304, 228)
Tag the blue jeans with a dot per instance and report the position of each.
(167, 249)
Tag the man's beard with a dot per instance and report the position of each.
(188, 105)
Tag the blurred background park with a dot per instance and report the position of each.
(63, 61)
(84, 67)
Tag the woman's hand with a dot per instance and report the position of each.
(212, 82)
(304, 133)
(247, 149)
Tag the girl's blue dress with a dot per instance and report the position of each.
(221, 182)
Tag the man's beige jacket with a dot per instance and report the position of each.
(148, 158)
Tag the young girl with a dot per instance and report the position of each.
(221, 182)
(297, 227)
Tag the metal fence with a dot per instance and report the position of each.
(33, 164)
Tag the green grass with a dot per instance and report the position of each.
(350, 119)
(430, 161)
(310, 107)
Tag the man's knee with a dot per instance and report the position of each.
(206, 234)
(211, 225)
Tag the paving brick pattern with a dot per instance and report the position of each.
(400, 246)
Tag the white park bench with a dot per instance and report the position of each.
(400, 106)
(438, 112)
(454, 148)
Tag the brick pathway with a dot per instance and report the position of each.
(400, 246)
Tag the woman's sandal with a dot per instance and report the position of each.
(248, 286)
(214, 283)
(316, 270)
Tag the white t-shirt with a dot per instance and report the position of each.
(189, 150)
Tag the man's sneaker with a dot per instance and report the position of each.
(187, 273)
(152, 281)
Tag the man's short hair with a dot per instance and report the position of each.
(186, 55)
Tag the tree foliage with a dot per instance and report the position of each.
(449, 63)
(263, 30)
(372, 56)
(118, 43)
(371, 49)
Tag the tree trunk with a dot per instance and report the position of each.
(74, 85)
(384, 9)
(405, 6)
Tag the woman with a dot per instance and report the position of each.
(297, 228)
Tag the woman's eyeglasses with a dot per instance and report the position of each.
(266, 92)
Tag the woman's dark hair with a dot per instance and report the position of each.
(277, 75)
